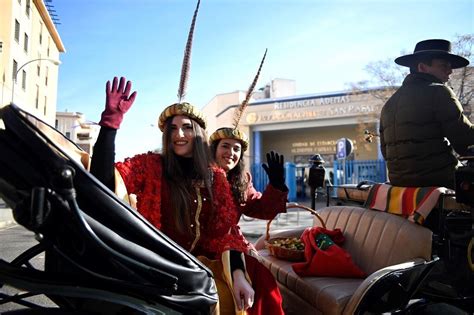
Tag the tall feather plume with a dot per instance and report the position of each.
(187, 58)
(239, 111)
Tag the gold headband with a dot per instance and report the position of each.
(230, 133)
(185, 109)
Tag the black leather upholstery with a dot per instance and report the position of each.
(115, 243)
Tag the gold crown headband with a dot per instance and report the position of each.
(184, 108)
(233, 132)
(230, 133)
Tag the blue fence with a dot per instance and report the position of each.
(353, 172)
(343, 172)
(260, 179)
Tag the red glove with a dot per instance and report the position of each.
(117, 103)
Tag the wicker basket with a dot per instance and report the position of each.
(283, 252)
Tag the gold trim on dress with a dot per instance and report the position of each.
(196, 217)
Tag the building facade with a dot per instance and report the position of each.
(79, 130)
(299, 126)
(30, 48)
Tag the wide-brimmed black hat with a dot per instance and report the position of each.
(439, 48)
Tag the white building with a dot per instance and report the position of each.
(29, 50)
(75, 127)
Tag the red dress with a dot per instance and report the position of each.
(263, 206)
(212, 235)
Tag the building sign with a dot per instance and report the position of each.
(312, 102)
(343, 148)
(313, 147)
(312, 114)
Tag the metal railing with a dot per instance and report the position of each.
(353, 172)
(343, 172)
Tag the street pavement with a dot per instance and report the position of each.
(6, 217)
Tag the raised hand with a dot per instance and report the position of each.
(275, 170)
(117, 102)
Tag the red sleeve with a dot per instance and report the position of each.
(264, 206)
(136, 171)
(142, 175)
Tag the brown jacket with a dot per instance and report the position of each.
(420, 125)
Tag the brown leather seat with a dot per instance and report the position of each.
(374, 239)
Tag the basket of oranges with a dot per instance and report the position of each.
(288, 248)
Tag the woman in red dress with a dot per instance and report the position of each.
(228, 146)
(185, 195)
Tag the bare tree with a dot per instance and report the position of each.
(462, 80)
(386, 77)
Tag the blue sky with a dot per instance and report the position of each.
(323, 45)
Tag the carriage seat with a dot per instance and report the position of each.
(377, 241)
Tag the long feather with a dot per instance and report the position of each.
(239, 111)
(187, 58)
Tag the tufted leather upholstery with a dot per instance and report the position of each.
(374, 239)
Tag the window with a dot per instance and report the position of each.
(1, 47)
(38, 70)
(49, 44)
(27, 8)
(15, 68)
(83, 136)
(45, 102)
(46, 77)
(56, 124)
(68, 134)
(37, 96)
(23, 80)
(17, 31)
(25, 44)
(41, 33)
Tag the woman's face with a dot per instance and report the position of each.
(182, 136)
(228, 153)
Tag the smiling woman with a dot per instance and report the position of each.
(181, 192)
(182, 135)
(184, 194)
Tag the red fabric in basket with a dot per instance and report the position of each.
(324, 256)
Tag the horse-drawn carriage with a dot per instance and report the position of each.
(102, 257)
(417, 267)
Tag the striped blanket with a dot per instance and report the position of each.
(413, 203)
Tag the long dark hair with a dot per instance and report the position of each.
(180, 179)
(237, 177)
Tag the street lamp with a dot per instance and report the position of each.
(53, 61)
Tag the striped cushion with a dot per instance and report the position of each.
(413, 203)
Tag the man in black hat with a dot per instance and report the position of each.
(423, 121)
